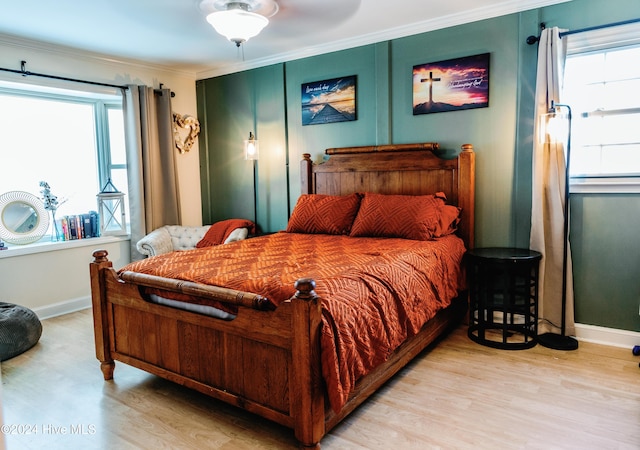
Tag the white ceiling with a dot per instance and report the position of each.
(175, 34)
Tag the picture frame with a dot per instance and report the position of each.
(329, 101)
(451, 85)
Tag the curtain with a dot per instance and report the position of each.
(548, 193)
(151, 171)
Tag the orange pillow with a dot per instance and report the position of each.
(324, 214)
(404, 216)
(449, 219)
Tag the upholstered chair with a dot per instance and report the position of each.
(170, 238)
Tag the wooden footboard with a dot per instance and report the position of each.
(247, 362)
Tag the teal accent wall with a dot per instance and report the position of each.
(605, 246)
(267, 101)
(314, 139)
(491, 130)
(604, 241)
(232, 106)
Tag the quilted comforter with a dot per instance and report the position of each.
(376, 292)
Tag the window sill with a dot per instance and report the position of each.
(44, 245)
(629, 185)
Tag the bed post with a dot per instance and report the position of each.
(306, 174)
(466, 193)
(100, 322)
(305, 390)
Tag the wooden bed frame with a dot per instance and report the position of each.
(268, 362)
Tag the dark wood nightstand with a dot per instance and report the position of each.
(503, 294)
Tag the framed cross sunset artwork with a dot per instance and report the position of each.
(451, 85)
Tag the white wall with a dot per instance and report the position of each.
(49, 281)
(54, 282)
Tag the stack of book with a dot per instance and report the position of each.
(78, 226)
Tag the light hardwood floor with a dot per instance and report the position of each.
(456, 395)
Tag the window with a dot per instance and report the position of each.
(72, 140)
(602, 86)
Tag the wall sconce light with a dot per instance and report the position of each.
(111, 211)
(251, 148)
(554, 129)
(251, 153)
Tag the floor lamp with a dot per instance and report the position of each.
(553, 340)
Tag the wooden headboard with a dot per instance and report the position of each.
(408, 169)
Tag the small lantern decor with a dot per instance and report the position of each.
(111, 210)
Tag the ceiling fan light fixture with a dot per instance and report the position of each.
(237, 23)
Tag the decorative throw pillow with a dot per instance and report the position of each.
(220, 231)
(324, 214)
(448, 221)
(403, 216)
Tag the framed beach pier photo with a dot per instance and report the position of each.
(329, 101)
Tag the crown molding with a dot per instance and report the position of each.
(204, 71)
(474, 15)
(86, 56)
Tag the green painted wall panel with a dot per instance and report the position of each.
(234, 105)
(491, 130)
(229, 118)
(270, 128)
(606, 258)
(314, 139)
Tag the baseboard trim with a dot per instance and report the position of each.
(607, 336)
(66, 307)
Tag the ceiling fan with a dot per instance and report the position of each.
(239, 20)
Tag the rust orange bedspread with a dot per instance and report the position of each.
(375, 292)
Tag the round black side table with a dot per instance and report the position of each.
(503, 295)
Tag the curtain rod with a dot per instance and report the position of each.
(24, 72)
(533, 39)
(159, 91)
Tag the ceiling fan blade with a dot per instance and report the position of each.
(304, 16)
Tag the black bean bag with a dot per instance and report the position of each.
(20, 329)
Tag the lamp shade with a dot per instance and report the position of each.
(237, 25)
(554, 128)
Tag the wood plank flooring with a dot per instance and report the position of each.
(456, 395)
